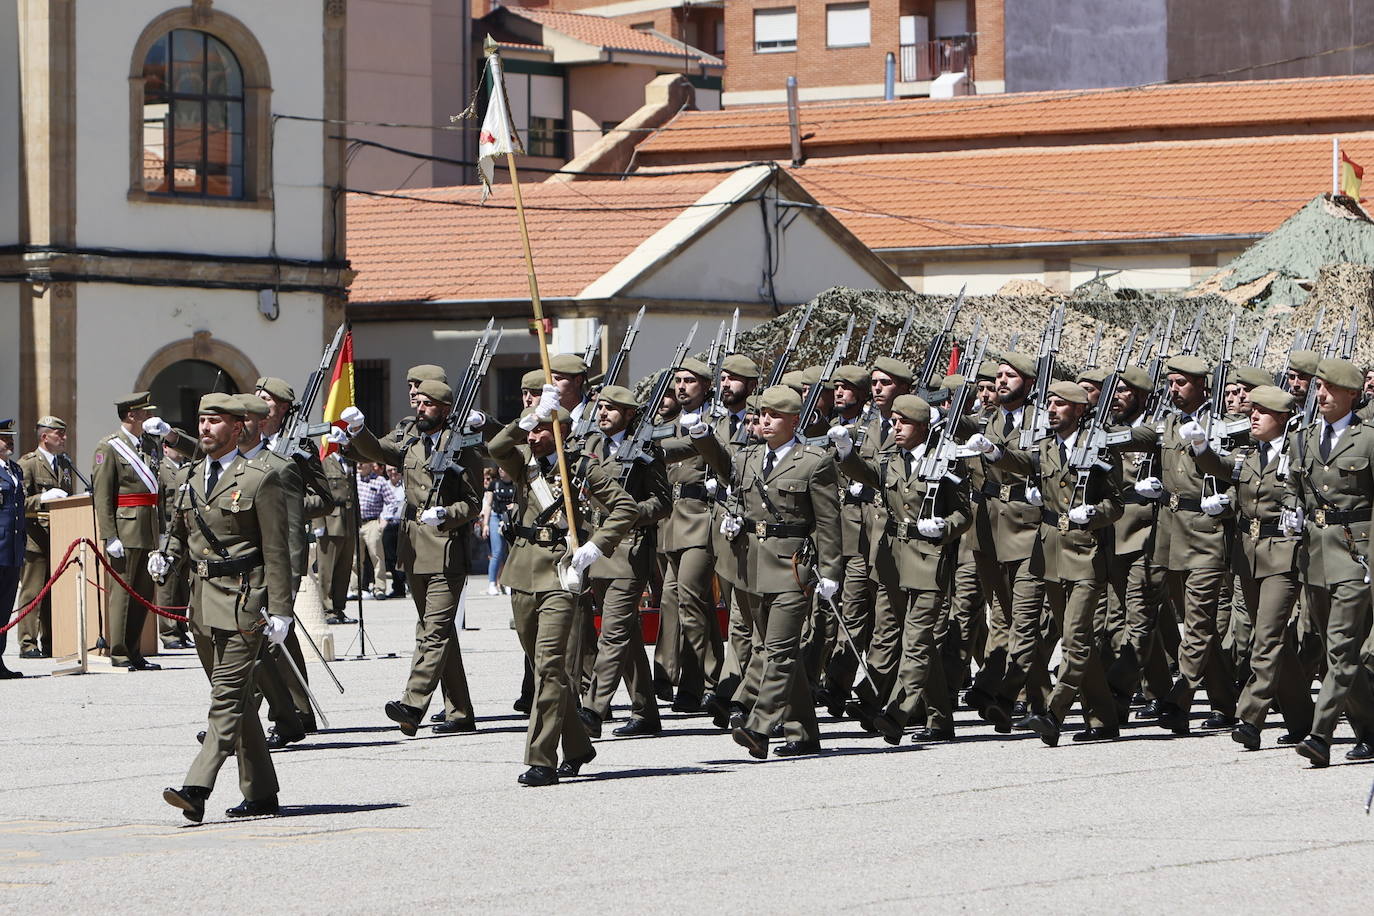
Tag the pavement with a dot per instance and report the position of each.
(376, 822)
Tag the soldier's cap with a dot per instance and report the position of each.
(1304, 361)
(751, 403)
(857, 376)
(7, 427)
(780, 399)
(741, 366)
(893, 367)
(138, 400)
(253, 406)
(51, 422)
(812, 376)
(1187, 365)
(1069, 391)
(1271, 397)
(559, 412)
(437, 391)
(912, 407)
(696, 367)
(952, 381)
(275, 387)
(1253, 376)
(228, 404)
(532, 380)
(796, 380)
(1137, 378)
(568, 364)
(1341, 373)
(1095, 376)
(426, 372)
(987, 370)
(1023, 363)
(618, 395)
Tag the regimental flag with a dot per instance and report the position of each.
(340, 390)
(1351, 177)
(497, 137)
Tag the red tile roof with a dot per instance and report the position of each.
(604, 33)
(1019, 115)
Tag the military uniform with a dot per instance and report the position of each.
(855, 601)
(335, 549)
(174, 591)
(42, 472)
(12, 541)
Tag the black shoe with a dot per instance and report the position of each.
(922, 735)
(169, 646)
(736, 719)
(200, 736)
(798, 748)
(539, 776)
(9, 674)
(1046, 726)
(31, 653)
(856, 710)
(718, 711)
(276, 740)
(407, 717)
(1138, 699)
(1173, 718)
(1362, 751)
(1317, 750)
(888, 728)
(997, 713)
(265, 807)
(636, 728)
(522, 705)
(755, 743)
(1288, 739)
(454, 726)
(591, 720)
(190, 799)
(1220, 720)
(664, 690)
(1247, 735)
(438, 716)
(340, 618)
(776, 731)
(685, 702)
(1097, 733)
(1022, 723)
(978, 701)
(142, 664)
(1020, 710)
(1149, 711)
(574, 767)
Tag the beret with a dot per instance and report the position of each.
(532, 380)
(812, 375)
(427, 372)
(1341, 373)
(1304, 361)
(891, 366)
(796, 380)
(987, 370)
(911, 407)
(253, 406)
(952, 381)
(436, 391)
(618, 395)
(857, 376)
(1253, 376)
(696, 367)
(215, 402)
(559, 412)
(741, 366)
(275, 387)
(51, 422)
(780, 399)
(1023, 363)
(1137, 378)
(568, 364)
(1096, 375)
(1271, 397)
(1187, 365)
(136, 400)
(1069, 391)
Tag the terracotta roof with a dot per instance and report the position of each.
(1077, 193)
(416, 251)
(606, 33)
(1176, 106)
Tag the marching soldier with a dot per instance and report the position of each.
(174, 591)
(12, 540)
(425, 372)
(232, 529)
(570, 377)
(544, 597)
(335, 536)
(47, 476)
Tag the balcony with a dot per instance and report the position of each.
(926, 60)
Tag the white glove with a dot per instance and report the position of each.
(730, 526)
(931, 527)
(981, 444)
(711, 486)
(528, 423)
(843, 444)
(1193, 433)
(319, 533)
(339, 436)
(114, 548)
(156, 426)
(354, 418)
(1216, 504)
(159, 564)
(476, 420)
(856, 489)
(1292, 521)
(1150, 487)
(276, 629)
(585, 556)
(53, 493)
(827, 588)
(548, 403)
(696, 427)
(434, 516)
(1080, 515)
(1033, 496)
(571, 577)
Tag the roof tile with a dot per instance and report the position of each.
(604, 33)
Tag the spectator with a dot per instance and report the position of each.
(372, 490)
(497, 499)
(393, 510)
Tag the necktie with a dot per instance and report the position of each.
(1006, 422)
(1063, 454)
(213, 479)
(886, 428)
(429, 446)
(734, 424)
(1326, 443)
(906, 460)
(768, 463)
(1264, 455)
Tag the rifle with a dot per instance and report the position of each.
(1148, 347)
(1260, 349)
(1155, 404)
(1087, 450)
(734, 333)
(295, 424)
(899, 342)
(780, 364)
(1215, 426)
(936, 348)
(813, 394)
(634, 447)
(867, 342)
(453, 439)
(593, 347)
(716, 359)
(941, 450)
(1044, 376)
(1352, 331)
(584, 422)
(1094, 348)
(966, 366)
(1190, 337)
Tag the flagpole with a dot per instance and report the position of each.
(563, 476)
(1335, 166)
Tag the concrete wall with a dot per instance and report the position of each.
(9, 129)
(606, 93)
(1161, 271)
(1076, 44)
(983, 277)
(9, 352)
(1217, 35)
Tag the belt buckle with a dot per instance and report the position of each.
(1173, 500)
(1254, 527)
(677, 491)
(1063, 524)
(203, 569)
(1005, 492)
(1320, 516)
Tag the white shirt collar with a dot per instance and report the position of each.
(1340, 425)
(51, 458)
(780, 452)
(617, 438)
(133, 440)
(916, 453)
(252, 452)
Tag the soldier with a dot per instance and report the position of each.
(920, 542)
(232, 528)
(174, 591)
(543, 597)
(784, 494)
(47, 476)
(618, 581)
(1331, 482)
(405, 427)
(570, 377)
(335, 540)
(12, 540)
(433, 550)
(1302, 365)
(125, 490)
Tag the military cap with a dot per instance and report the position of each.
(1095, 376)
(1023, 363)
(856, 376)
(275, 387)
(216, 402)
(780, 399)
(559, 412)
(253, 406)
(987, 370)
(7, 427)
(1253, 377)
(1341, 373)
(812, 376)
(1271, 397)
(796, 380)
(911, 407)
(1138, 379)
(751, 403)
(618, 395)
(891, 366)
(138, 400)
(532, 380)
(696, 367)
(51, 422)
(1069, 391)
(436, 391)
(426, 372)
(568, 364)
(952, 381)
(1304, 361)
(741, 366)
(1187, 365)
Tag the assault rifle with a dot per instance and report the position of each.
(1190, 337)
(1094, 348)
(635, 446)
(1156, 403)
(813, 394)
(941, 450)
(1260, 349)
(1087, 449)
(1148, 346)
(936, 348)
(593, 347)
(1032, 433)
(780, 364)
(966, 365)
(867, 342)
(717, 363)
(455, 437)
(584, 422)
(295, 424)
(1216, 426)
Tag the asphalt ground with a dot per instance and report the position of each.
(374, 822)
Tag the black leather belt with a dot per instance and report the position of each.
(771, 530)
(1135, 499)
(546, 535)
(1055, 520)
(1257, 528)
(690, 491)
(1324, 517)
(215, 569)
(907, 531)
(1007, 492)
(865, 500)
(1174, 501)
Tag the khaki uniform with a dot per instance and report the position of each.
(334, 551)
(35, 630)
(174, 591)
(855, 600)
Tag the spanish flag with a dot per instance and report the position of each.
(1351, 177)
(340, 389)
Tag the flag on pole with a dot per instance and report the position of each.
(340, 390)
(954, 355)
(1351, 177)
(497, 137)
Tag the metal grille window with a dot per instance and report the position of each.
(775, 29)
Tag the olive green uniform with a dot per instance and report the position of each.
(40, 475)
(335, 550)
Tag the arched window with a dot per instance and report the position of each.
(177, 390)
(193, 117)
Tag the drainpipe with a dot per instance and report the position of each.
(890, 77)
(793, 121)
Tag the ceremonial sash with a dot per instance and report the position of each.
(144, 472)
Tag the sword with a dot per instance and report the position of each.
(300, 678)
(853, 647)
(320, 655)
